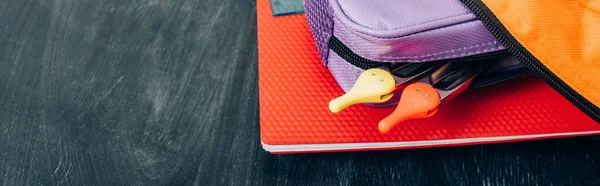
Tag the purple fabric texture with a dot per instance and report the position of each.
(395, 31)
(343, 72)
(400, 17)
(410, 31)
(444, 43)
(320, 20)
(399, 31)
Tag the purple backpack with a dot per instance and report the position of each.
(410, 39)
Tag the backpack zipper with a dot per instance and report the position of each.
(513, 46)
(514, 75)
(345, 53)
(348, 55)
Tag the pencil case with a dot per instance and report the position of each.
(417, 55)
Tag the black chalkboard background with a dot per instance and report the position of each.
(164, 92)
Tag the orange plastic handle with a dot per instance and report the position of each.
(418, 100)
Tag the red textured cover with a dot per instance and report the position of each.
(295, 89)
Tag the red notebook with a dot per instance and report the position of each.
(295, 89)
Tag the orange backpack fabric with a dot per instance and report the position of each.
(560, 37)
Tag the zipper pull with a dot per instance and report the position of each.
(372, 86)
(419, 100)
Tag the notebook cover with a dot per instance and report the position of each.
(295, 89)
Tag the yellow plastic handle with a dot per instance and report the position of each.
(372, 86)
